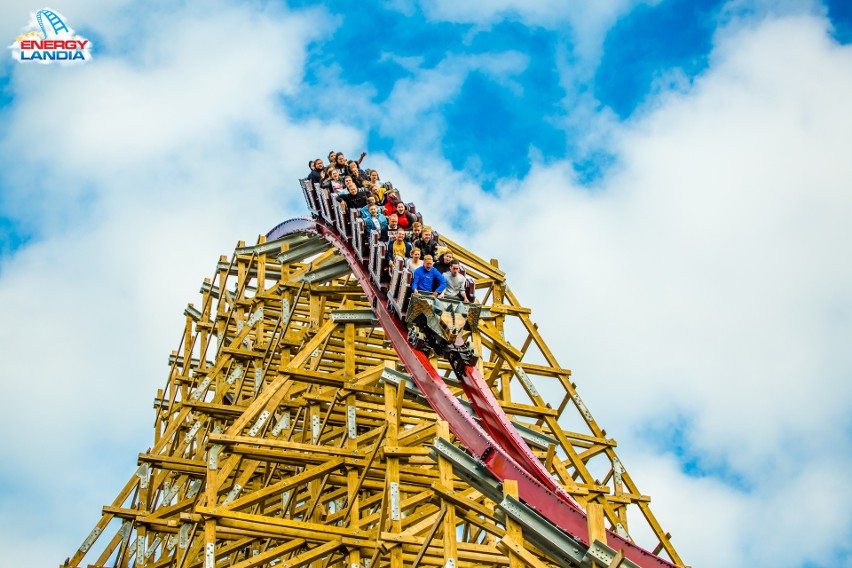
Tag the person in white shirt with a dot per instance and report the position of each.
(413, 262)
(455, 283)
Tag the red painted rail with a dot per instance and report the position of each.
(495, 441)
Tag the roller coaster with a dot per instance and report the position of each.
(322, 414)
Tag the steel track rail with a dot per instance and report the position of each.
(499, 448)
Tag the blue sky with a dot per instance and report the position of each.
(666, 183)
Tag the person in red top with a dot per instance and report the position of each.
(404, 218)
(391, 199)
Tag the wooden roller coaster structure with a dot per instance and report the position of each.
(298, 427)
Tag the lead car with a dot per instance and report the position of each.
(440, 324)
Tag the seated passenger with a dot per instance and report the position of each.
(426, 245)
(375, 221)
(455, 283)
(405, 219)
(341, 164)
(365, 210)
(393, 225)
(427, 280)
(415, 232)
(414, 261)
(333, 182)
(379, 192)
(391, 199)
(398, 247)
(356, 174)
(317, 174)
(352, 198)
(445, 257)
(374, 177)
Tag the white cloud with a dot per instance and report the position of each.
(134, 175)
(702, 292)
(706, 278)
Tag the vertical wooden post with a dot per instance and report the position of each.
(353, 496)
(261, 268)
(445, 475)
(595, 519)
(394, 495)
(513, 529)
(211, 494)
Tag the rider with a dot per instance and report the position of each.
(427, 279)
(456, 282)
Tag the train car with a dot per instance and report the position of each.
(438, 324)
(435, 324)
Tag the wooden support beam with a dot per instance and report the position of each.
(276, 437)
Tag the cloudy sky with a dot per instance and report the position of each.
(667, 183)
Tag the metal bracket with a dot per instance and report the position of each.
(261, 420)
(315, 428)
(194, 487)
(192, 432)
(561, 548)
(235, 491)
(582, 407)
(603, 554)
(235, 374)
(184, 535)
(143, 473)
(213, 457)
(468, 468)
(255, 317)
(394, 501)
(124, 531)
(283, 424)
(354, 316)
(210, 555)
(525, 379)
(87, 544)
(201, 388)
(170, 494)
(153, 547)
(351, 425)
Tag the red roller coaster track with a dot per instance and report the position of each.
(495, 441)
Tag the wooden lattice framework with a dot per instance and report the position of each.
(287, 434)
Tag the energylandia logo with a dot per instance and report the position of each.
(47, 38)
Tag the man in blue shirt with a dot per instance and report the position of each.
(427, 279)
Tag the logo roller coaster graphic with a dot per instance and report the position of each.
(319, 413)
(48, 39)
(53, 19)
